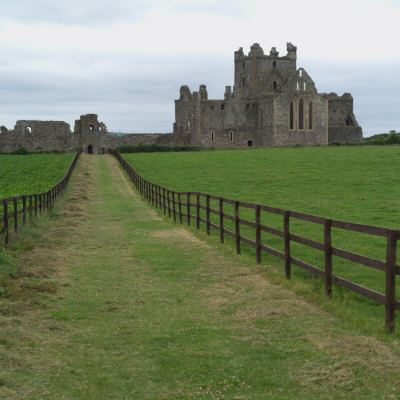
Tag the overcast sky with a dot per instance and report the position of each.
(125, 60)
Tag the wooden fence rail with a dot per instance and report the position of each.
(30, 205)
(187, 205)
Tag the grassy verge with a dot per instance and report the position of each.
(348, 183)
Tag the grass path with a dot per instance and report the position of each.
(140, 308)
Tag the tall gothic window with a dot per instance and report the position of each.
(291, 112)
(301, 114)
(310, 116)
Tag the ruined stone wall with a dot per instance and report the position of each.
(187, 116)
(267, 137)
(312, 134)
(345, 134)
(113, 141)
(37, 135)
(343, 126)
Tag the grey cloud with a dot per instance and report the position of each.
(71, 11)
(103, 12)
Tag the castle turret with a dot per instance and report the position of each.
(259, 73)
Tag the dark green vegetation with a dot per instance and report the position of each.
(154, 148)
(392, 137)
(124, 304)
(25, 174)
(356, 184)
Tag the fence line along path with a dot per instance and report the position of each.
(30, 205)
(186, 206)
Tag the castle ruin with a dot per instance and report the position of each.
(273, 103)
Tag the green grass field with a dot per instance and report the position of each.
(116, 302)
(356, 184)
(31, 173)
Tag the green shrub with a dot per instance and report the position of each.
(20, 151)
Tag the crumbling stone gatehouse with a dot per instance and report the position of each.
(273, 103)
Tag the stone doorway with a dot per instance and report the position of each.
(90, 149)
(250, 143)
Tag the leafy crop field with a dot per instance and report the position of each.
(31, 173)
(355, 184)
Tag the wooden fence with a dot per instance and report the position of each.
(30, 205)
(186, 206)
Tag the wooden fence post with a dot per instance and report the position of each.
(391, 280)
(169, 204)
(173, 205)
(198, 210)
(15, 215)
(286, 239)
(180, 208)
(30, 207)
(208, 214)
(188, 208)
(258, 234)
(237, 227)
(328, 256)
(23, 210)
(5, 212)
(152, 194)
(221, 220)
(36, 205)
(163, 199)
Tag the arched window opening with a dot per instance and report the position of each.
(291, 112)
(274, 64)
(188, 126)
(275, 85)
(348, 121)
(91, 127)
(310, 117)
(231, 136)
(301, 114)
(212, 136)
(247, 106)
(298, 85)
(29, 129)
(222, 106)
(243, 81)
(304, 86)
(250, 143)
(244, 65)
(300, 72)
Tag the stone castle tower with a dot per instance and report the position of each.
(273, 103)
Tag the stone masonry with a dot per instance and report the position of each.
(273, 103)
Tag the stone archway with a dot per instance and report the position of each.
(90, 149)
(250, 143)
